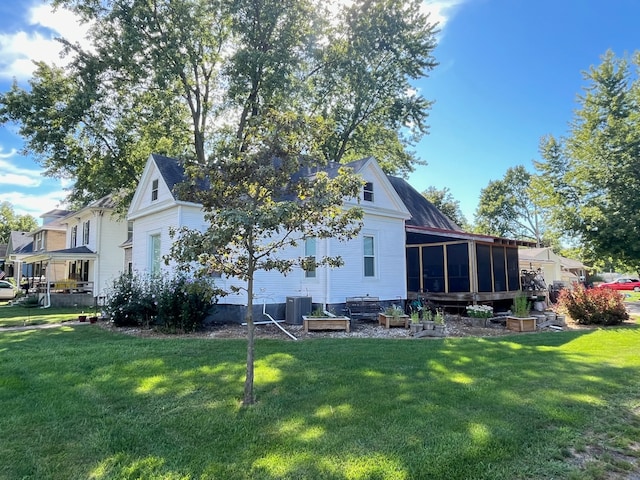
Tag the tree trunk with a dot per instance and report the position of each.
(249, 398)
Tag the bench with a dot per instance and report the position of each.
(366, 308)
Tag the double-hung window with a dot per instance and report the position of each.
(85, 233)
(310, 254)
(369, 256)
(154, 190)
(367, 194)
(155, 256)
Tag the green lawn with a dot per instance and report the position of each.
(88, 403)
(17, 316)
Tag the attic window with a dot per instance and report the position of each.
(154, 190)
(368, 192)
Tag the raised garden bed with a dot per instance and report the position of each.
(326, 323)
(521, 324)
(393, 320)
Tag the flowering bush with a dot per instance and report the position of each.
(593, 306)
(480, 311)
(130, 301)
(176, 304)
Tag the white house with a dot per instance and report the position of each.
(374, 265)
(88, 257)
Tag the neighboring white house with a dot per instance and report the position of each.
(375, 263)
(88, 258)
(555, 268)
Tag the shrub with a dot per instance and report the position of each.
(183, 304)
(176, 304)
(599, 306)
(130, 301)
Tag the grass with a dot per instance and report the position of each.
(17, 315)
(89, 403)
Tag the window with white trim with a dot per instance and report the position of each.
(73, 241)
(154, 254)
(367, 193)
(369, 256)
(85, 233)
(154, 190)
(310, 253)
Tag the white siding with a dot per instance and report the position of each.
(384, 220)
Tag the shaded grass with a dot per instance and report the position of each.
(18, 315)
(87, 403)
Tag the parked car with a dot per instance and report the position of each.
(622, 284)
(7, 290)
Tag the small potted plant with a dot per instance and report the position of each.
(479, 314)
(520, 319)
(439, 327)
(416, 326)
(427, 319)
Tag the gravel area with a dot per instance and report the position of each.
(456, 326)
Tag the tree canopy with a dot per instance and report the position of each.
(186, 78)
(10, 221)
(444, 201)
(507, 208)
(592, 174)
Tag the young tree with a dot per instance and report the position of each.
(10, 222)
(443, 200)
(506, 208)
(594, 171)
(260, 203)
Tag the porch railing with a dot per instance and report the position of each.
(66, 286)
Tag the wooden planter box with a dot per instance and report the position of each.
(326, 323)
(518, 324)
(393, 320)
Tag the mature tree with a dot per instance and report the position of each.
(506, 208)
(443, 200)
(10, 221)
(253, 81)
(593, 174)
(363, 84)
(158, 72)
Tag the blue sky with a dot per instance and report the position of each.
(510, 72)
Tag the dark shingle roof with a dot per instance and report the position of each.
(74, 250)
(423, 212)
(21, 242)
(171, 170)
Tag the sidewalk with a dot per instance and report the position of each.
(42, 326)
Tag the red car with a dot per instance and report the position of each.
(622, 284)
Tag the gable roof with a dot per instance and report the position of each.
(423, 212)
(105, 203)
(171, 169)
(20, 242)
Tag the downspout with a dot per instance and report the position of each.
(96, 263)
(48, 293)
(327, 278)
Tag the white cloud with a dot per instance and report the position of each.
(36, 204)
(441, 11)
(28, 195)
(11, 174)
(36, 42)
